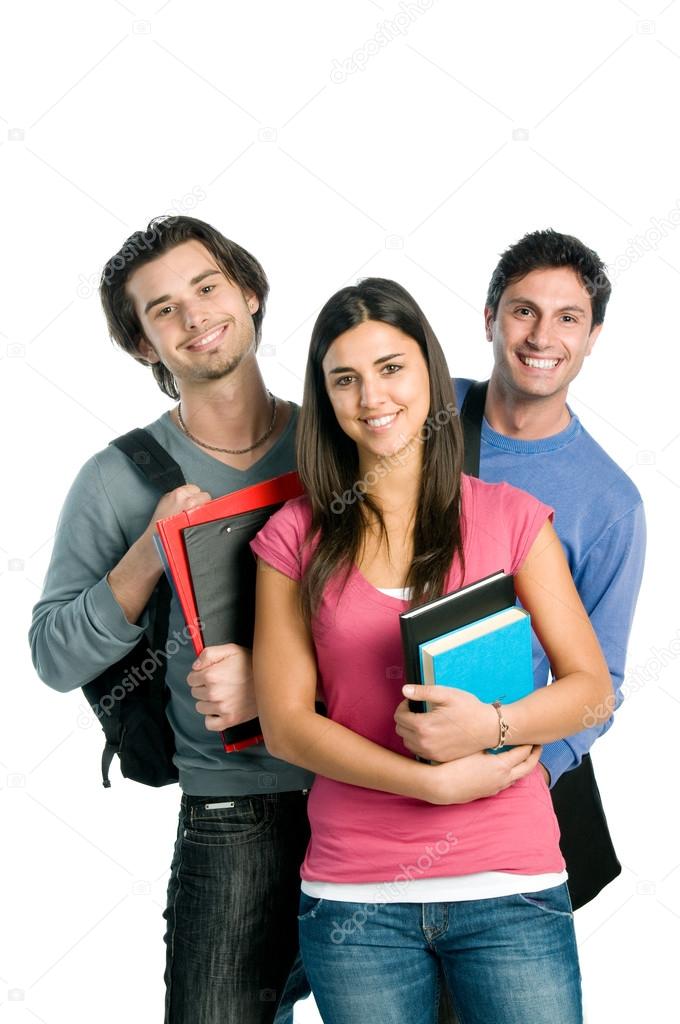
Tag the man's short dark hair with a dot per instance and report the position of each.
(542, 250)
(163, 234)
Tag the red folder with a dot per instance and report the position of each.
(171, 533)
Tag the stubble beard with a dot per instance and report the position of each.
(216, 372)
(223, 365)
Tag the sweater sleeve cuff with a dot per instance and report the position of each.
(110, 617)
(558, 757)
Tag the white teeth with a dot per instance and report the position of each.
(382, 422)
(539, 364)
(206, 341)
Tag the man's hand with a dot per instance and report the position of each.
(182, 499)
(221, 682)
(458, 723)
(132, 581)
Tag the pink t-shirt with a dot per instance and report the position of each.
(364, 835)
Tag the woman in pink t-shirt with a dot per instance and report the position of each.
(412, 865)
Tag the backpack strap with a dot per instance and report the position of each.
(471, 416)
(161, 470)
(151, 459)
(107, 757)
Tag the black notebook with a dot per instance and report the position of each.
(429, 621)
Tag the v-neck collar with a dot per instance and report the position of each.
(196, 451)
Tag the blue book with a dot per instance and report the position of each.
(490, 658)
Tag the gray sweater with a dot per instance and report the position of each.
(79, 629)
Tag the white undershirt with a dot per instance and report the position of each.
(478, 886)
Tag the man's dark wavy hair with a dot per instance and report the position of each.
(542, 250)
(163, 234)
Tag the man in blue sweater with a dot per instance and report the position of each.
(544, 312)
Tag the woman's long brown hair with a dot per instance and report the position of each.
(328, 461)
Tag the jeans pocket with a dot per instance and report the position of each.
(217, 822)
(308, 906)
(554, 900)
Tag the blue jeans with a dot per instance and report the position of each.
(232, 909)
(507, 960)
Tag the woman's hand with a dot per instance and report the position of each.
(479, 775)
(457, 724)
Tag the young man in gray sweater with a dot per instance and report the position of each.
(189, 302)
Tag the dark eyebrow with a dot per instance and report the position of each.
(520, 300)
(574, 309)
(383, 359)
(194, 280)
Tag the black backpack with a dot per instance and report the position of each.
(128, 700)
(584, 834)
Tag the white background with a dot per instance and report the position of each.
(330, 155)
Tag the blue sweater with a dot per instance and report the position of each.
(600, 520)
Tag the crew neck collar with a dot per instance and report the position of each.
(539, 444)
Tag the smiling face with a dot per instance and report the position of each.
(541, 333)
(379, 387)
(194, 319)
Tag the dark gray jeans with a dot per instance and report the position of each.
(232, 933)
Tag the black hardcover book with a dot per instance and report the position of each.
(432, 620)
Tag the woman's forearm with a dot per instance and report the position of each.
(331, 750)
(327, 748)
(582, 694)
(567, 706)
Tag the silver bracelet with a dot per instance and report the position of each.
(502, 726)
